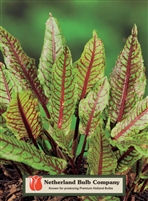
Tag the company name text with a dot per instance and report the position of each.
(96, 182)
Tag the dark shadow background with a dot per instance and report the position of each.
(113, 21)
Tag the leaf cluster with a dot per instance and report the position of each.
(40, 106)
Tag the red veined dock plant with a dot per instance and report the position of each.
(40, 106)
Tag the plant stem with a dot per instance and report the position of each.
(137, 167)
(72, 165)
(82, 152)
(46, 110)
(52, 142)
(75, 139)
(54, 145)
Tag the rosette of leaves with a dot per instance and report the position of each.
(39, 105)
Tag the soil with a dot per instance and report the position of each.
(11, 187)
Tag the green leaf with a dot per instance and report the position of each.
(139, 141)
(62, 140)
(45, 146)
(63, 91)
(19, 151)
(127, 79)
(101, 159)
(91, 107)
(141, 147)
(8, 85)
(23, 117)
(90, 67)
(52, 47)
(21, 67)
(136, 121)
(126, 159)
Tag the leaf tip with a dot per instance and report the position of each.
(50, 14)
(134, 30)
(95, 33)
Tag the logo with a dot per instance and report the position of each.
(74, 185)
(35, 183)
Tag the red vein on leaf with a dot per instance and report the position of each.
(100, 161)
(89, 70)
(32, 84)
(82, 96)
(125, 154)
(60, 119)
(126, 83)
(93, 110)
(27, 126)
(130, 124)
(89, 123)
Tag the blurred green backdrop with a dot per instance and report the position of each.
(113, 21)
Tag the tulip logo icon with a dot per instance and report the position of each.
(35, 183)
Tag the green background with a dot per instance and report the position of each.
(113, 21)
